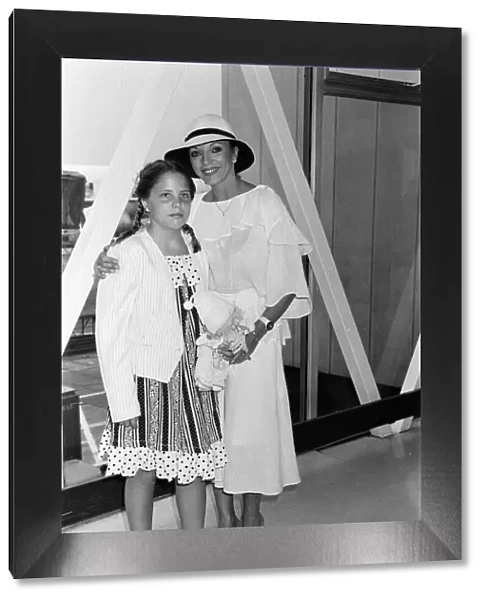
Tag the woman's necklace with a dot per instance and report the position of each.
(223, 212)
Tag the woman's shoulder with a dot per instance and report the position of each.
(270, 203)
(260, 205)
(261, 194)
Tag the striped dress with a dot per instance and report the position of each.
(179, 429)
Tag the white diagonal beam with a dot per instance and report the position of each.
(399, 326)
(412, 381)
(268, 106)
(114, 192)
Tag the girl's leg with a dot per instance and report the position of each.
(139, 500)
(191, 501)
(252, 516)
(226, 515)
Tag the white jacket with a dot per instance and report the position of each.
(138, 330)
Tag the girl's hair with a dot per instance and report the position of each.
(193, 239)
(147, 179)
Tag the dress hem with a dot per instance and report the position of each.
(169, 465)
(253, 491)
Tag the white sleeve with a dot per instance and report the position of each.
(287, 245)
(114, 307)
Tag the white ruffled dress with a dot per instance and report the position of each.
(255, 245)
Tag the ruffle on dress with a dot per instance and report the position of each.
(285, 276)
(260, 206)
(244, 212)
(184, 467)
(285, 232)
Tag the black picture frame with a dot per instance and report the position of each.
(38, 42)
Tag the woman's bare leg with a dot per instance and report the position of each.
(251, 516)
(226, 515)
(139, 500)
(191, 502)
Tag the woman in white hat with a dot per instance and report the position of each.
(252, 244)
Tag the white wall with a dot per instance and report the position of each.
(98, 97)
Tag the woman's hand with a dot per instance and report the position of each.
(252, 341)
(105, 265)
(226, 352)
(133, 423)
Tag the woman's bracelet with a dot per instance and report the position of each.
(263, 330)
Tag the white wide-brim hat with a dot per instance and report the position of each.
(205, 129)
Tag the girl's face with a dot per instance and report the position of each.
(213, 162)
(169, 201)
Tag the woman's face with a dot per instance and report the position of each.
(169, 201)
(213, 162)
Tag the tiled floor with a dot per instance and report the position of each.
(367, 479)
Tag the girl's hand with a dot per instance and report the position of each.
(252, 342)
(105, 265)
(133, 423)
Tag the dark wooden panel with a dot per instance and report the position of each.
(354, 212)
(394, 251)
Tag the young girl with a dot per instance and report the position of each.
(159, 424)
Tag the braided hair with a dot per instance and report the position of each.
(196, 247)
(136, 224)
(147, 179)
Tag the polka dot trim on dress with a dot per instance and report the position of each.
(181, 266)
(184, 467)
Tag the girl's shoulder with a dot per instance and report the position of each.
(130, 249)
